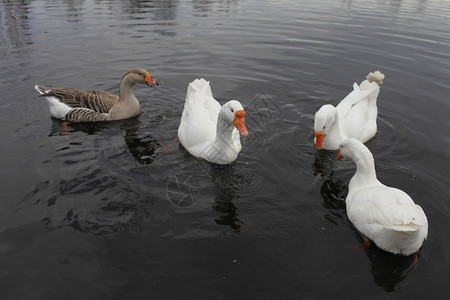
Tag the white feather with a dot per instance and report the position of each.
(58, 109)
(385, 215)
(205, 125)
(354, 117)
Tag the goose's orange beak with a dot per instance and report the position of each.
(239, 122)
(150, 81)
(339, 155)
(319, 139)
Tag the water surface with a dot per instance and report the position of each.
(121, 210)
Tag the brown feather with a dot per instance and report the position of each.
(99, 101)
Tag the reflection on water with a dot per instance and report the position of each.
(14, 24)
(15, 39)
(222, 178)
(72, 202)
(387, 269)
(142, 147)
(333, 192)
(324, 163)
(155, 11)
(201, 183)
(224, 7)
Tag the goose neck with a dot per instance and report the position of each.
(224, 131)
(365, 167)
(126, 90)
(335, 129)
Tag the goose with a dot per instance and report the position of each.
(76, 106)
(208, 130)
(354, 117)
(385, 215)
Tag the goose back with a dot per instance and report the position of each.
(97, 100)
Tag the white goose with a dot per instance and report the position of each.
(208, 130)
(92, 106)
(385, 215)
(354, 117)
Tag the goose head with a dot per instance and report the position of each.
(353, 149)
(138, 75)
(234, 113)
(323, 121)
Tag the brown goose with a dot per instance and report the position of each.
(92, 106)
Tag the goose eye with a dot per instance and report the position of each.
(323, 127)
(232, 110)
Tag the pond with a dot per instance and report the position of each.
(120, 210)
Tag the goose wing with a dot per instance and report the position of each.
(388, 207)
(96, 100)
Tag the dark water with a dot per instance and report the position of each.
(122, 211)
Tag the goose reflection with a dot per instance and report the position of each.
(387, 269)
(222, 177)
(96, 191)
(333, 193)
(324, 162)
(141, 146)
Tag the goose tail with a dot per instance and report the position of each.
(58, 109)
(376, 76)
(41, 89)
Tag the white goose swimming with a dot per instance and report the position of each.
(92, 106)
(208, 130)
(354, 117)
(385, 215)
